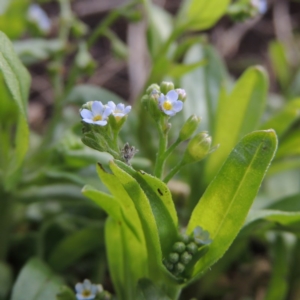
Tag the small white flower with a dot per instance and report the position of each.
(98, 115)
(119, 110)
(170, 104)
(261, 5)
(36, 15)
(86, 290)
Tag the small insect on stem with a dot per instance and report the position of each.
(128, 153)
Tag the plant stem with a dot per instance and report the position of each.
(172, 172)
(160, 159)
(171, 148)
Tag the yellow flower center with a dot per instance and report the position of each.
(97, 118)
(86, 293)
(167, 105)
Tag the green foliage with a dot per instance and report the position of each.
(15, 86)
(36, 281)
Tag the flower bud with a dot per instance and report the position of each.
(166, 87)
(185, 258)
(179, 247)
(184, 238)
(173, 257)
(197, 149)
(189, 127)
(153, 88)
(169, 265)
(181, 94)
(179, 268)
(192, 248)
(151, 105)
(83, 59)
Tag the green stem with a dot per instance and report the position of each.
(160, 159)
(171, 149)
(172, 173)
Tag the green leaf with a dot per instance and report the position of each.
(148, 291)
(36, 282)
(17, 81)
(32, 51)
(177, 70)
(159, 29)
(238, 114)
(128, 210)
(75, 246)
(13, 18)
(203, 83)
(290, 204)
(201, 14)
(127, 258)
(285, 164)
(290, 145)
(224, 206)
(287, 219)
(66, 294)
(283, 120)
(278, 284)
(280, 63)
(106, 202)
(83, 93)
(162, 205)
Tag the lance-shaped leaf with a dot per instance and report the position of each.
(150, 228)
(162, 206)
(225, 204)
(127, 258)
(284, 119)
(238, 114)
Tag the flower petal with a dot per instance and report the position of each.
(79, 287)
(172, 95)
(86, 114)
(94, 289)
(169, 112)
(87, 284)
(177, 106)
(120, 107)
(97, 108)
(111, 104)
(101, 123)
(127, 109)
(121, 115)
(161, 99)
(88, 121)
(106, 113)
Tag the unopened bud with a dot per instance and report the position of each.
(166, 87)
(153, 88)
(83, 59)
(179, 268)
(185, 238)
(192, 248)
(181, 94)
(179, 247)
(197, 148)
(173, 257)
(189, 127)
(185, 258)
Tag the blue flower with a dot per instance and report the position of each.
(169, 103)
(86, 290)
(37, 15)
(98, 115)
(120, 110)
(260, 5)
(201, 236)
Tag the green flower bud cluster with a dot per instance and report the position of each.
(185, 250)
